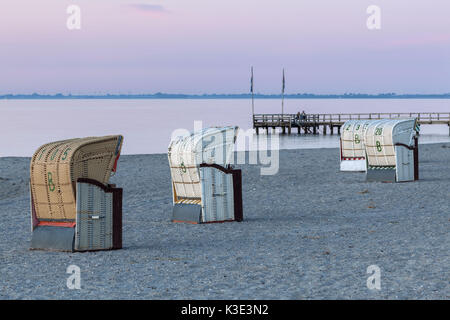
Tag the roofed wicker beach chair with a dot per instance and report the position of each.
(353, 151)
(392, 150)
(205, 187)
(73, 208)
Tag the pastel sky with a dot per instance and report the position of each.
(208, 46)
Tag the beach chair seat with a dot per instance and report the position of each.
(73, 208)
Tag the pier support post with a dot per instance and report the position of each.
(325, 130)
(331, 129)
(257, 131)
(339, 130)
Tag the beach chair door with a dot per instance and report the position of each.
(217, 195)
(94, 218)
(404, 164)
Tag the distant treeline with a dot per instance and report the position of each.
(229, 96)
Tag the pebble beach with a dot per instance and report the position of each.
(309, 232)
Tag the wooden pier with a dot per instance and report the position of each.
(316, 123)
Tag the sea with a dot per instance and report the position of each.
(149, 124)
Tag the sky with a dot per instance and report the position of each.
(208, 46)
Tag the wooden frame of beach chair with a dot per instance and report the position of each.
(206, 189)
(73, 208)
(392, 150)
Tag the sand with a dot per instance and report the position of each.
(310, 232)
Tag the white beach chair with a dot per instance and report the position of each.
(392, 150)
(205, 187)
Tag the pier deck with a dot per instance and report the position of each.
(316, 123)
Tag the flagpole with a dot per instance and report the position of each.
(282, 97)
(253, 101)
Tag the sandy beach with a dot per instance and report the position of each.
(309, 232)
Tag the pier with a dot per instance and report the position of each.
(322, 123)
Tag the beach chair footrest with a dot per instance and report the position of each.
(53, 238)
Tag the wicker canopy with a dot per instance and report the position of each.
(352, 139)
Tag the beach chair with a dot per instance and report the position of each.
(205, 187)
(392, 150)
(73, 208)
(353, 152)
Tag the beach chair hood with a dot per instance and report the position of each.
(56, 167)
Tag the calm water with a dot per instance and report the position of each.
(148, 124)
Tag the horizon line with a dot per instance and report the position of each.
(160, 95)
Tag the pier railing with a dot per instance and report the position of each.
(269, 120)
(422, 117)
(312, 122)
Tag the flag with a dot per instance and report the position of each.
(251, 82)
(284, 83)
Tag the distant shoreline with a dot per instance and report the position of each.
(223, 96)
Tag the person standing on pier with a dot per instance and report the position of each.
(297, 117)
(303, 116)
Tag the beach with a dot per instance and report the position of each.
(309, 232)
